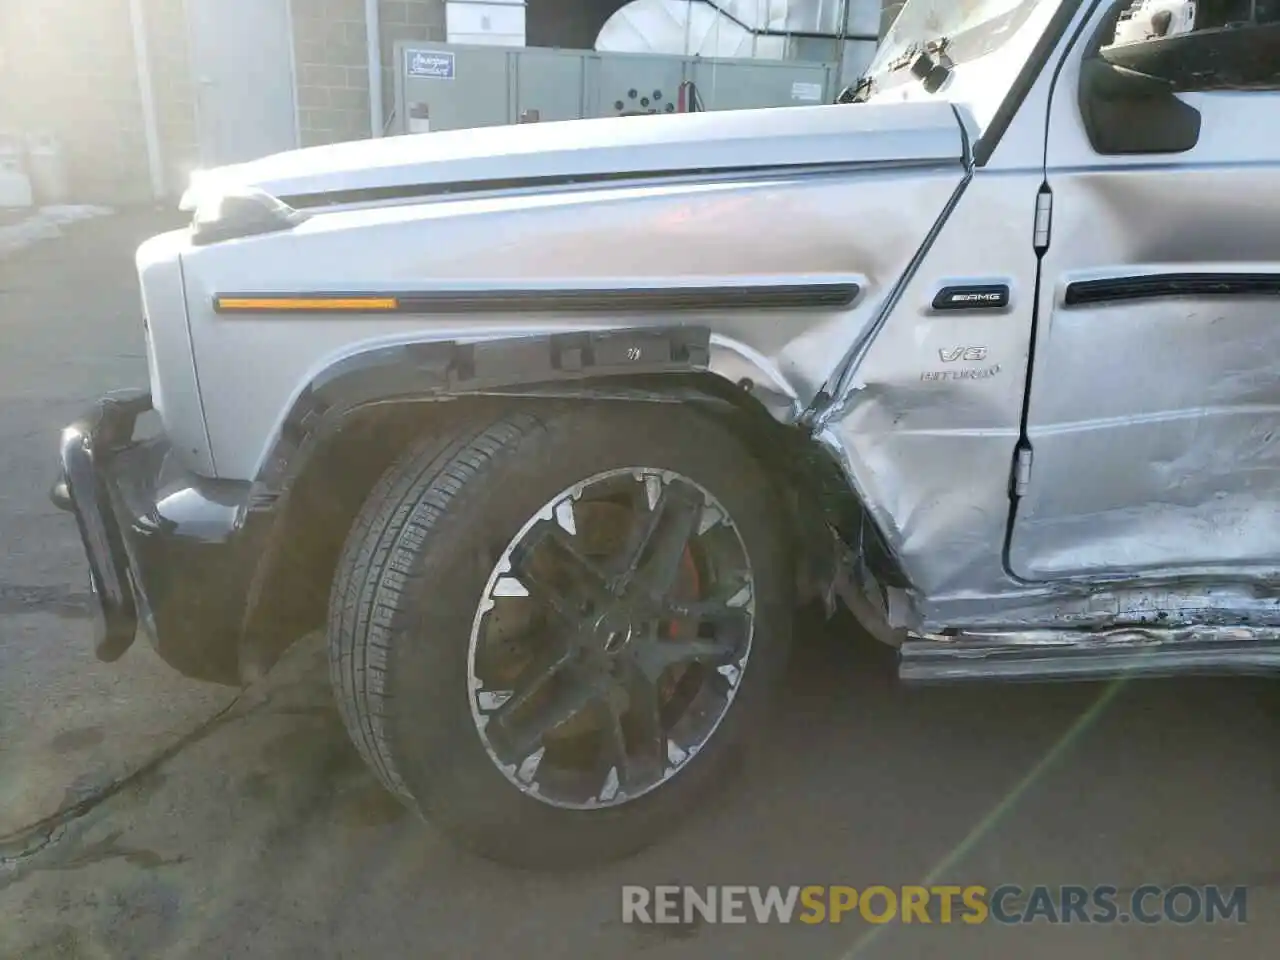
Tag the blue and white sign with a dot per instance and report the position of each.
(429, 64)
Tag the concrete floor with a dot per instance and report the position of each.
(261, 835)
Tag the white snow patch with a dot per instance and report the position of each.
(45, 224)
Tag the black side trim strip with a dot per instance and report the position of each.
(411, 191)
(624, 299)
(1121, 289)
(414, 190)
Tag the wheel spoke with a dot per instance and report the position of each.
(517, 732)
(533, 679)
(659, 541)
(646, 497)
(587, 582)
(715, 613)
(640, 758)
(655, 656)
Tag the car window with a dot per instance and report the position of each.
(1201, 44)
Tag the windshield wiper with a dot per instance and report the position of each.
(929, 63)
(860, 92)
(914, 50)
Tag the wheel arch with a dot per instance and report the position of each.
(351, 422)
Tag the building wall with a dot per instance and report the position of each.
(72, 67)
(174, 90)
(333, 70)
(333, 61)
(74, 70)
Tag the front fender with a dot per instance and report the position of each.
(792, 266)
(651, 361)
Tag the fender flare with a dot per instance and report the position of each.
(643, 364)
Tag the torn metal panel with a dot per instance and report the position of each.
(928, 426)
(1100, 605)
(1068, 655)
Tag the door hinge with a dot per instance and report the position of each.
(1021, 471)
(1044, 220)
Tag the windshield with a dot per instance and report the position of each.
(987, 43)
(971, 27)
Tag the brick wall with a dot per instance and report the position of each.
(333, 70)
(406, 20)
(332, 55)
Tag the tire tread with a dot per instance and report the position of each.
(406, 503)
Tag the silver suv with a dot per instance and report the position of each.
(555, 425)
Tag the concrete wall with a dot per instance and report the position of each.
(69, 70)
(174, 90)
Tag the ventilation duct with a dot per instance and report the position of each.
(736, 28)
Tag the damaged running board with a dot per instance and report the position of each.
(1073, 655)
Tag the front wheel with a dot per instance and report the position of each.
(549, 631)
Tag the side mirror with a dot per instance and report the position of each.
(1128, 112)
(1110, 81)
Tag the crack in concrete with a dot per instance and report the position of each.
(20, 846)
(32, 843)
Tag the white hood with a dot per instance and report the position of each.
(613, 146)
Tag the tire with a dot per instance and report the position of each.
(421, 556)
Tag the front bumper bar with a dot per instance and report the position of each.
(81, 488)
(168, 551)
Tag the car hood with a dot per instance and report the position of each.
(608, 148)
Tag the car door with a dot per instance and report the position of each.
(1152, 436)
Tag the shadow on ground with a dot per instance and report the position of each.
(267, 837)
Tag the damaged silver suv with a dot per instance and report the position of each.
(553, 426)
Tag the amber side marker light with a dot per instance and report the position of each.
(303, 304)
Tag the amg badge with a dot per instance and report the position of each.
(991, 296)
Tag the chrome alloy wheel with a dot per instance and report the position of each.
(611, 638)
